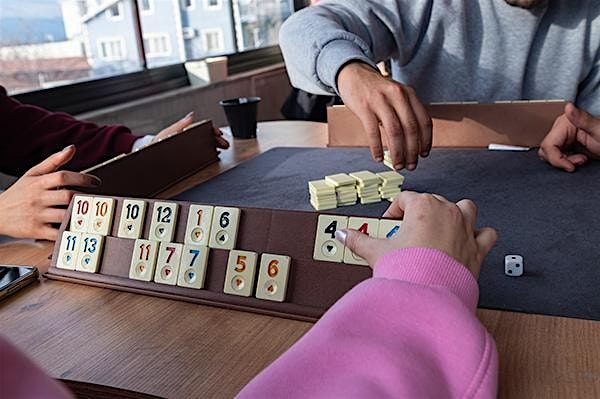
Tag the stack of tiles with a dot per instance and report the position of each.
(387, 160)
(322, 195)
(368, 186)
(345, 188)
(392, 182)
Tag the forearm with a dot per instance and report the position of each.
(408, 332)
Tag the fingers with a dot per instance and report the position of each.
(577, 159)
(582, 120)
(57, 197)
(486, 239)
(47, 233)
(176, 127)
(360, 244)
(222, 143)
(53, 215)
(424, 121)
(410, 128)
(53, 162)
(371, 126)
(469, 211)
(398, 206)
(65, 178)
(395, 134)
(555, 157)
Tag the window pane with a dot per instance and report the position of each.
(258, 21)
(55, 42)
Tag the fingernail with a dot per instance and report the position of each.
(341, 235)
(425, 154)
(412, 166)
(96, 182)
(189, 115)
(378, 159)
(68, 148)
(399, 166)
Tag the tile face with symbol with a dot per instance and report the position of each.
(69, 248)
(224, 228)
(90, 252)
(198, 226)
(167, 265)
(131, 222)
(80, 214)
(192, 268)
(241, 269)
(368, 226)
(101, 218)
(327, 248)
(143, 260)
(388, 228)
(164, 217)
(273, 277)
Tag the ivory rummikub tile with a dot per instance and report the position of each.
(101, 217)
(327, 248)
(241, 269)
(143, 260)
(167, 265)
(192, 268)
(69, 248)
(388, 228)
(197, 231)
(80, 214)
(368, 226)
(164, 217)
(131, 222)
(273, 277)
(90, 253)
(224, 228)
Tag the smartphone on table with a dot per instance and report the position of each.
(13, 278)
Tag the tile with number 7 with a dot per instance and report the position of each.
(90, 253)
(167, 265)
(241, 269)
(192, 268)
(224, 227)
(368, 226)
(273, 277)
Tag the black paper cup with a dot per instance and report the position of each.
(241, 116)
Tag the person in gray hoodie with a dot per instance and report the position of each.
(451, 50)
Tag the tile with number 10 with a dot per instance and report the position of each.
(131, 222)
(102, 215)
(80, 213)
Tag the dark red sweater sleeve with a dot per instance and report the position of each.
(30, 134)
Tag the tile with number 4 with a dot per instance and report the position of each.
(368, 226)
(102, 216)
(167, 265)
(197, 231)
(192, 268)
(241, 269)
(388, 228)
(80, 214)
(69, 248)
(327, 248)
(164, 217)
(143, 260)
(131, 222)
(224, 227)
(90, 252)
(273, 277)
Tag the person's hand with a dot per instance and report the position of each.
(181, 124)
(572, 141)
(28, 207)
(376, 100)
(430, 221)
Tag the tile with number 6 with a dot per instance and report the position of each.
(132, 218)
(69, 248)
(241, 269)
(102, 215)
(90, 252)
(273, 277)
(167, 265)
(80, 214)
(197, 231)
(164, 217)
(224, 227)
(192, 268)
(143, 260)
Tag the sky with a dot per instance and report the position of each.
(33, 8)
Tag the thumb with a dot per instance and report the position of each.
(53, 162)
(486, 239)
(582, 120)
(175, 128)
(360, 244)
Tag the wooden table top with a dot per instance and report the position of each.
(181, 350)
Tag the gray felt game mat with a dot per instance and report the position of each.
(550, 217)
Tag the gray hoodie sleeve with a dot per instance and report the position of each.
(318, 41)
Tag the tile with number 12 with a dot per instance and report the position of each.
(164, 217)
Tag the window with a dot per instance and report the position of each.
(213, 40)
(189, 4)
(213, 4)
(189, 33)
(115, 12)
(111, 49)
(146, 7)
(257, 22)
(157, 45)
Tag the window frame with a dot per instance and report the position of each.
(149, 11)
(121, 10)
(157, 35)
(220, 33)
(112, 39)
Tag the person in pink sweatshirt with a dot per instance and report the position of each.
(410, 331)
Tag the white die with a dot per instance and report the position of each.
(513, 265)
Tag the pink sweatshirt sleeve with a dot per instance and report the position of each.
(410, 331)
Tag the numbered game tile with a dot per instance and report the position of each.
(131, 222)
(273, 277)
(69, 248)
(224, 228)
(167, 265)
(164, 217)
(192, 268)
(101, 217)
(90, 252)
(197, 231)
(327, 248)
(241, 269)
(388, 228)
(366, 226)
(80, 214)
(143, 260)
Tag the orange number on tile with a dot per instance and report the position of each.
(241, 262)
(273, 269)
(101, 208)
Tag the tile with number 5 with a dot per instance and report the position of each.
(192, 268)
(241, 269)
(273, 277)
(90, 253)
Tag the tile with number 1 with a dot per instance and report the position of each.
(167, 265)
(197, 231)
(164, 217)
